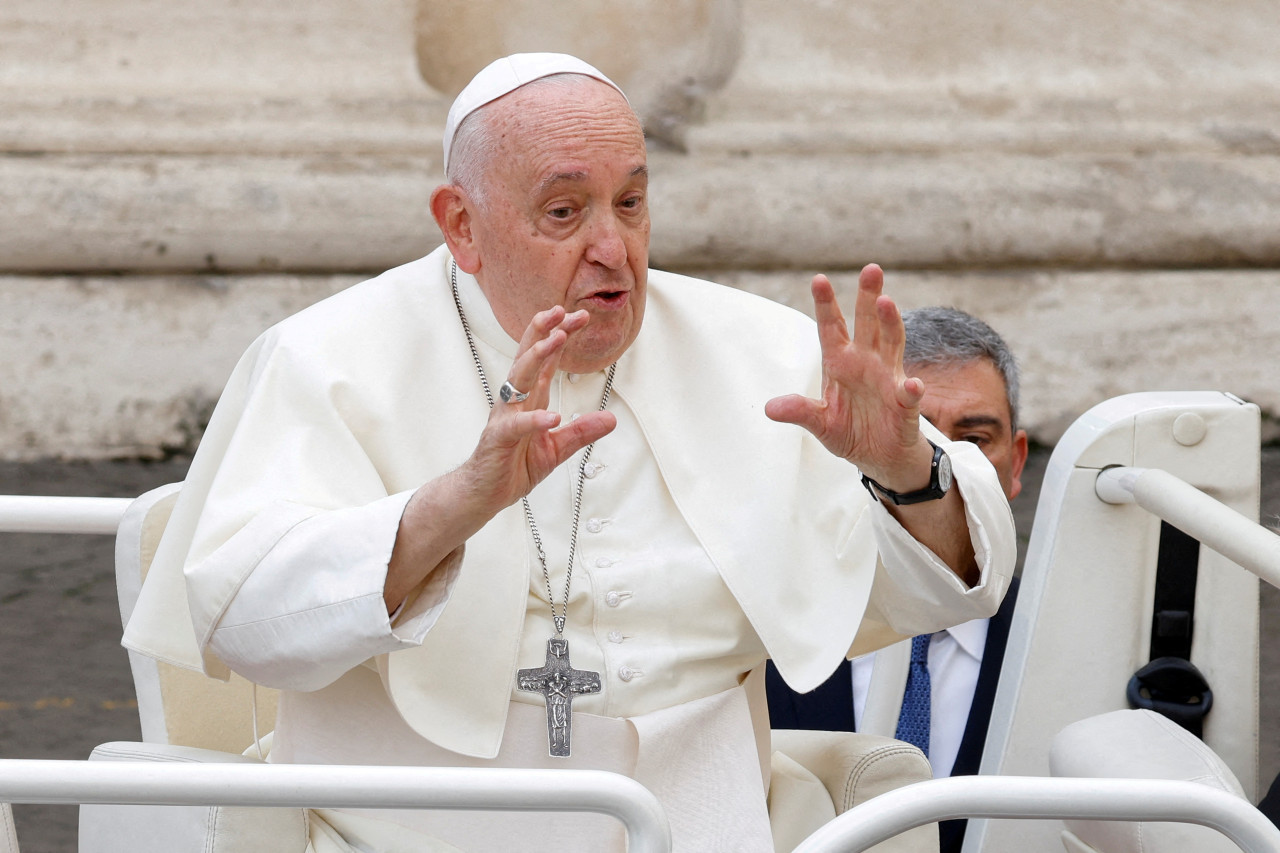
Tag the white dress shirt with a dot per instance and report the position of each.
(955, 657)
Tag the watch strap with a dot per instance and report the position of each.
(931, 492)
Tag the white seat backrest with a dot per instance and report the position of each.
(186, 829)
(176, 705)
(884, 693)
(849, 768)
(136, 540)
(8, 834)
(1082, 624)
(1140, 744)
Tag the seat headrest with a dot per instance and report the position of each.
(1141, 744)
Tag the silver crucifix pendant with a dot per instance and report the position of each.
(558, 682)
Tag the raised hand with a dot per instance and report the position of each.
(521, 444)
(869, 410)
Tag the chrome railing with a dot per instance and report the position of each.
(330, 786)
(1027, 798)
(1196, 514)
(40, 514)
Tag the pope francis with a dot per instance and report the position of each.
(526, 502)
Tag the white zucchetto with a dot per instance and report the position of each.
(504, 76)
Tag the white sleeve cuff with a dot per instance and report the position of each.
(312, 607)
(932, 595)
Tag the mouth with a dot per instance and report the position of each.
(607, 300)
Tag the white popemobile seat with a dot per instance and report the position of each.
(1139, 744)
(186, 718)
(1082, 624)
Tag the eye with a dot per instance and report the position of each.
(560, 212)
(979, 440)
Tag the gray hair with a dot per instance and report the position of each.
(938, 336)
(475, 144)
(473, 148)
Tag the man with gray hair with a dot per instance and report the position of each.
(971, 394)
(970, 369)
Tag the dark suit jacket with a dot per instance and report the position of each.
(830, 707)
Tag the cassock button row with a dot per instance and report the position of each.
(594, 525)
(592, 469)
(615, 637)
(612, 599)
(604, 562)
(626, 673)
(574, 377)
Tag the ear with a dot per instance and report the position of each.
(1019, 462)
(453, 213)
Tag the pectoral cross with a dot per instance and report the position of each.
(558, 682)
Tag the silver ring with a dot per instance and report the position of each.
(508, 393)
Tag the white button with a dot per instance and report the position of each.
(592, 469)
(604, 562)
(594, 525)
(615, 636)
(573, 417)
(612, 599)
(574, 377)
(626, 673)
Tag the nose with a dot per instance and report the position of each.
(605, 244)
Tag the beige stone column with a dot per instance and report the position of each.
(669, 56)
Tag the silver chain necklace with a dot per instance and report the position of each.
(556, 680)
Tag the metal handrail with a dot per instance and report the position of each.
(42, 514)
(333, 786)
(1218, 526)
(1030, 798)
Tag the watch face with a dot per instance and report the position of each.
(944, 473)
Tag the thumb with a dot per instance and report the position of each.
(794, 409)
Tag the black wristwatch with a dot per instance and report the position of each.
(939, 483)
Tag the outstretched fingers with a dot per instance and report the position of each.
(538, 355)
(867, 403)
(891, 335)
(581, 431)
(833, 332)
(566, 439)
(523, 441)
(866, 310)
(877, 324)
(890, 344)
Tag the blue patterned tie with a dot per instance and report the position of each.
(914, 721)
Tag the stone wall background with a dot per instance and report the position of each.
(1100, 180)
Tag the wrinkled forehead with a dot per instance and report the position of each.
(556, 133)
(556, 92)
(977, 381)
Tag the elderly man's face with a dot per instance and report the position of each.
(565, 216)
(967, 402)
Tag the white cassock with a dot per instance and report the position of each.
(711, 538)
